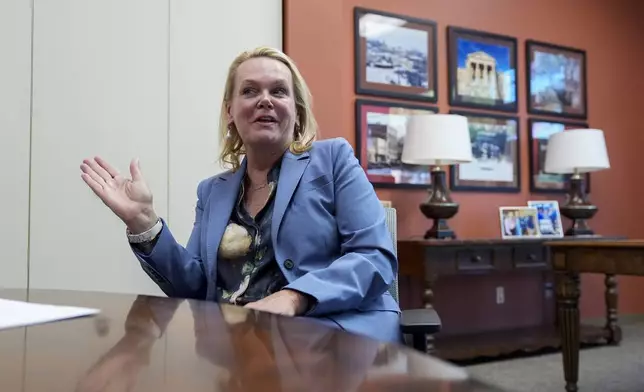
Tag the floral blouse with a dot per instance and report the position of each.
(246, 268)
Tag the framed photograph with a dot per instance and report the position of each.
(539, 132)
(482, 69)
(549, 218)
(495, 148)
(519, 222)
(395, 56)
(380, 136)
(556, 80)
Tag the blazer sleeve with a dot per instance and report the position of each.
(368, 263)
(178, 271)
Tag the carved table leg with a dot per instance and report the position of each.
(614, 331)
(428, 302)
(568, 310)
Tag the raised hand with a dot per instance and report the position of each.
(129, 198)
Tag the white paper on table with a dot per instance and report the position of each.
(20, 314)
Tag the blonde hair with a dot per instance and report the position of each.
(304, 134)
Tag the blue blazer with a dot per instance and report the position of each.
(328, 233)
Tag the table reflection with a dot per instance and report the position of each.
(235, 349)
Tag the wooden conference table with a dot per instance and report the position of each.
(143, 343)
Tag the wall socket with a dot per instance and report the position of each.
(500, 295)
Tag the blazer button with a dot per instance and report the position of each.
(288, 264)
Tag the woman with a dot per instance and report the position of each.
(294, 228)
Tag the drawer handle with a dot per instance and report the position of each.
(532, 257)
(476, 259)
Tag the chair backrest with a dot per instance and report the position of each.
(391, 220)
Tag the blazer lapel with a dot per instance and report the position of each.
(293, 167)
(223, 197)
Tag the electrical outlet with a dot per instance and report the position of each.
(500, 295)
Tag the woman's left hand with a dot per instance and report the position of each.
(285, 302)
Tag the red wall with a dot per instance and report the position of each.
(319, 37)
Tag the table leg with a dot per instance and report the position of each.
(568, 311)
(614, 331)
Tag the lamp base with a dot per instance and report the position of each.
(439, 207)
(440, 230)
(579, 227)
(578, 208)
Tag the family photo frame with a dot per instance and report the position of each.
(548, 218)
(395, 56)
(496, 164)
(482, 69)
(556, 80)
(519, 222)
(380, 135)
(539, 219)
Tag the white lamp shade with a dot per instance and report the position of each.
(437, 139)
(576, 150)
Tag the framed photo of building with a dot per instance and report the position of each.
(380, 136)
(495, 148)
(482, 69)
(539, 132)
(395, 56)
(556, 80)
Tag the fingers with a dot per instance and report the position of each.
(135, 170)
(97, 169)
(93, 184)
(92, 175)
(112, 171)
(270, 307)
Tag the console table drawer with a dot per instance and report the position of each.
(530, 257)
(475, 259)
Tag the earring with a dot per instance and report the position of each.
(228, 133)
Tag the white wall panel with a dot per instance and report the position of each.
(15, 93)
(100, 88)
(205, 36)
(120, 79)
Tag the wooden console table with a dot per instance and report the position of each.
(431, 260)
(569, 259)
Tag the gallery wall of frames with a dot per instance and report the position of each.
(396, 60)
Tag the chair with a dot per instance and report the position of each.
(415, 323)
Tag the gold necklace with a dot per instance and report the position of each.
(258, 187)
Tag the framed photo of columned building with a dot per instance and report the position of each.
(482, 69)
(380, 135)
(395, 56)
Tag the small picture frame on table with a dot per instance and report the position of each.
(519, 222)
(549, 218)
(395, 56)
(539, 131)
(380, 135)
(496, 165)
(556, 80)
(482, 69)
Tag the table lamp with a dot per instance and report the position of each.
(437, 140)
(576, 152)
